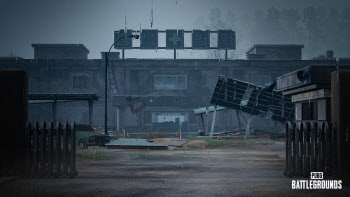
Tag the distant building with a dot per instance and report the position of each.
(329, 56)
(60, 51)
(170, 88)
(275, 52)
(111, 55)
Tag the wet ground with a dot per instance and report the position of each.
(252, 169)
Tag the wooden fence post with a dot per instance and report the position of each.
(50, 149)
(58, 171)
(65, 150)
(73, 172)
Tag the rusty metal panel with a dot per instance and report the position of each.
(252, 99)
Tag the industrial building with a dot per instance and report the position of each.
(169, 88)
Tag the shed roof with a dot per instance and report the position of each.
(61, 45)
(276, 46)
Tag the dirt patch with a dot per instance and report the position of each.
(207, 143)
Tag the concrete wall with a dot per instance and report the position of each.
(136, 77)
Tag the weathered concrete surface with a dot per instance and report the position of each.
(248, 170)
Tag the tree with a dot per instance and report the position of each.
(290, 23)
(215, 22)
(344, 32)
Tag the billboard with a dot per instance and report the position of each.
(149, 39)
(200, 39)
(175, 39)
(125, 43)
(226, 39)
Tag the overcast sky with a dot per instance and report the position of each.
(92, 22)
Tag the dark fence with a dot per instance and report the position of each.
(310, 147)
(50, 150)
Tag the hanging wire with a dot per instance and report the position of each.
(125, 28)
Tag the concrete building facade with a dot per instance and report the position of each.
(170, 89)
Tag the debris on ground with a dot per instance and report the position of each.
(135, 144)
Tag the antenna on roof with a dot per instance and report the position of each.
(125, 28)
(151, 17)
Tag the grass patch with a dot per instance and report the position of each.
(192, 146)
(96, 153)
(249, 140)
(268, 143)
(139, 156)
(189, 137)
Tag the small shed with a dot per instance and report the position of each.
(310, 91)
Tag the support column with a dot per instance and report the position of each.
(91, 112)
(213, 122)
(118, 119)
(203, 124)
(247, 130)
(239, 122)
(207, 123)
(141, 120)
(54, 111)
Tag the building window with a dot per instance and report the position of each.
(170, 82)
(161, 117)
(81, 82)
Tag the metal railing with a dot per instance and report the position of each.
(50, 150)
(310, 147)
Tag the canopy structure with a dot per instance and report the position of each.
(206, 110)
(252, 99)
(245, 97)
(63, 97)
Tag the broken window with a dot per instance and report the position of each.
(160, 117)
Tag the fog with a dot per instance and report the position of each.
(318, 24)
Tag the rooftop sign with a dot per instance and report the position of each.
(175, 39)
